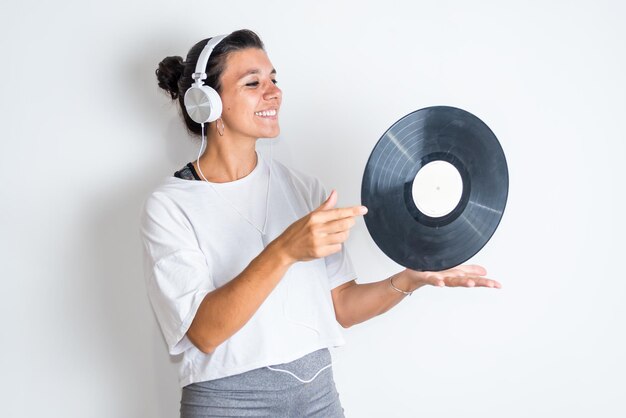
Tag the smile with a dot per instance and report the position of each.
(266, 113)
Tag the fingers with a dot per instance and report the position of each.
(327, 212)
(321, 232)
(330, 201)
(335, 231)
(328, 215)
(435, 280)
(336, 238)
(459, 281)
(460, 276)
(470, 281)
(472, 269)
(482, 282)
(469, 275)
(337, 225)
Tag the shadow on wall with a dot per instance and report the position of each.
(146, 379)
(144, 376)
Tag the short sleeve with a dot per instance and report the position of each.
(176, 270)
(338, 265)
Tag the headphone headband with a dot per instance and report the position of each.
(202, 102)
(203, 59)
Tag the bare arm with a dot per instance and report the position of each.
(355, 303)
(227, 309)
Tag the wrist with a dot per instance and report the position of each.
(277, 251)
(396, 288)
(407, 280)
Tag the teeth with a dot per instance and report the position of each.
(266, 113)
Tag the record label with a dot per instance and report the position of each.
(437, 188)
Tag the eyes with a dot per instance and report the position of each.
(256, 83)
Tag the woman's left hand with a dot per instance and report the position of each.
(461, 276)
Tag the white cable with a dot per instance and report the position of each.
(303, 381)
(200, 153)
(262, 232)
(267, 196)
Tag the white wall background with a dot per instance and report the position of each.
(86, 134)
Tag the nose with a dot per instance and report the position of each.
(272, 92)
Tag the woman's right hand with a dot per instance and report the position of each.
(320, 233)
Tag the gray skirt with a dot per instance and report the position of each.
(301, 388)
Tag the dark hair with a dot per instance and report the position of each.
(174, 74)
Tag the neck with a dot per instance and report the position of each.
(227, 158)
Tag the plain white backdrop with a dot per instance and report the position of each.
(86, 134)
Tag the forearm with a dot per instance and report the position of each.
(227, 309)
(361, 302)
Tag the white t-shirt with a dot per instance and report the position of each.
(196, 241)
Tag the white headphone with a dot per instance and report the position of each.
(202, 102)
(204, 105)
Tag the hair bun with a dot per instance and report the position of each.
(169, 72)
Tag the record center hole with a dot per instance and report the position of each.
(437, 188)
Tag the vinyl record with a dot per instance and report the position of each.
(436, 186)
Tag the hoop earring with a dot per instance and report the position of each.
(217, 126)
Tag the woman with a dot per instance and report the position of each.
(244, 258)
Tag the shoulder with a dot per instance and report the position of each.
(169, 198)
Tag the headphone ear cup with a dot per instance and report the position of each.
(203, 104)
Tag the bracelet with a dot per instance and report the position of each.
(398, 290)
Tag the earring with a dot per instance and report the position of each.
(217, 126)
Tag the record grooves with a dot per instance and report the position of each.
(436, 186)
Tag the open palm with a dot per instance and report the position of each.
(467, 275)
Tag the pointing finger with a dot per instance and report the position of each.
(340, 213)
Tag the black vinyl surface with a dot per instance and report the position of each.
(410, 237)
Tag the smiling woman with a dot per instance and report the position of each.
(222, 250)
(245, 263)
(251, 98)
